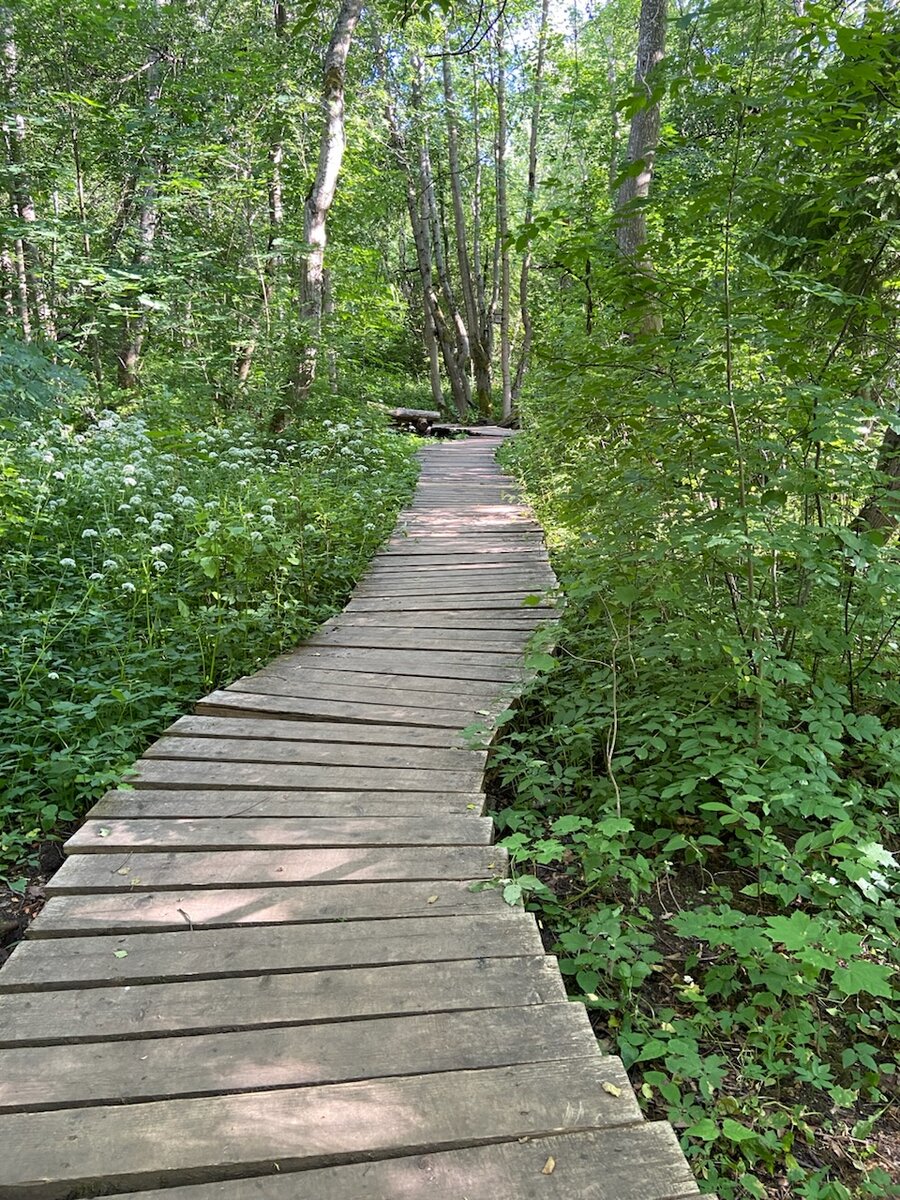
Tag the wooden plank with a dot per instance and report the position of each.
(509, 601)
(387, 569)
(287, 665)
(224, 748)
(642, 1162)
(462, 560)
(471, 587)
(452, 620)
(51, 1155)
(206, 802)
(251, 868)
(458, 664)
(261, 1001)
(277, 698)
(223, 908)
(63, 963)
(295, 681)
(277, 833)
(314, 731)
(188, 773)
(510, 643)
(37, 1078)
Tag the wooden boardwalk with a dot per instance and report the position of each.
(262, 972)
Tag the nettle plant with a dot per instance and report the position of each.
(142, 566)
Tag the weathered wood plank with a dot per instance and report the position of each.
(188, 773)
(63, 963)
(259, 1001)
(315, 731)
(287, 666)
(452, 621)
(284, 677)
(222, 747)
(251, 868)
(51, 1155)
(277, 698)
(471, 587)
(510, 643)
(114, 836)
(144, 912)
(509, 601)
(38, 1078)
(472, 560)
(456, 664)
(205, 802)
(636, 1163)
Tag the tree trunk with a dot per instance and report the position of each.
(480, 359)
(275, 206)
(32, 296)
(437, 334)
(332, 144)
(503, 226)
(527, 325)
(882, 509)
(631, 230)
(147, 222)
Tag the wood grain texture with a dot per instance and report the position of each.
(258, 1001)
(278, 697)
(40, 1078)
(186, 773)
(113, 836)
(222, 747)
(331, 732)
(163, 1144)
(222, 908)
(637, 1163)
(63, 963)
(252, 868)
(226, 803)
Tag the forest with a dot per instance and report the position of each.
(661, 239)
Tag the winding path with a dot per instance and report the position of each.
(262, 972)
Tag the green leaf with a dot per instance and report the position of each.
(862, 976)
(735, 1132)
(706, 1129)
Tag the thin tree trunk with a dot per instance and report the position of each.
(436, 331)
(631, 230)
(882, 509)
(332, 144)
(485, 316)
(615, 130)
(135, 328)
(275, 207)
(503, 226)
(31, 289)
(524, 308)
(480, 359)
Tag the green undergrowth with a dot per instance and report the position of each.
(145, 561)
(710, 841)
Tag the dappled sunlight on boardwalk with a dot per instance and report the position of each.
(262, 970)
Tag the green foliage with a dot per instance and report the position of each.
(145, 564)
(702, 797)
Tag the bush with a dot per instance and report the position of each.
(143, 565)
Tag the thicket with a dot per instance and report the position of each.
(146, 558)
(701, 798)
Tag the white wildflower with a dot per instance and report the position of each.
(67, 562)
(127, 587)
